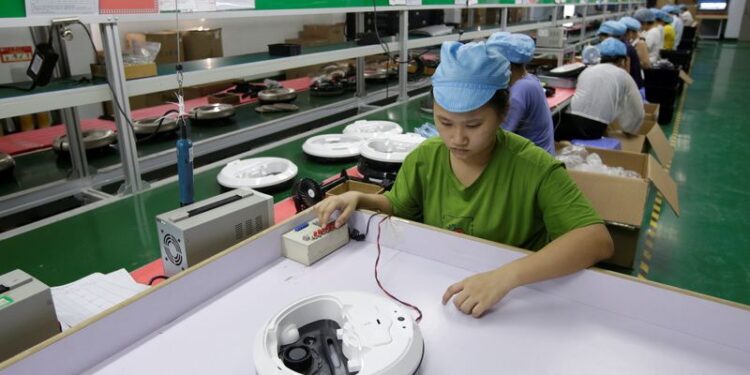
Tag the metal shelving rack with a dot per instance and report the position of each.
(131, 167)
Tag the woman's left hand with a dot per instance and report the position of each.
(477, 294)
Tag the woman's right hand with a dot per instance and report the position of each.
(345, 203)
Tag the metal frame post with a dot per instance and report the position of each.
(554, 14)
(403, 63)
(504, 19)
(125, 136)
(70, 117)
(359, 22)
(583, 23)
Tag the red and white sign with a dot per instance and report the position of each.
(16, 54)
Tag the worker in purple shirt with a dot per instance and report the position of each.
(529, 114)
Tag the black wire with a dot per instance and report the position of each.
(158, 126)
(25, 89)
(111, 89)
(356, 235)
(159, 277)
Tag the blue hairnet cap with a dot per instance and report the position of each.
(682, 7)
(517, 48)
(468, 76)
(612, 28)
(661, 15)
(631, 23)
(671, 9)
(644, 15)
(612, 47)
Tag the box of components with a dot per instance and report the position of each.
(191, 234)
(309, 242)
(27, 313)
(553, 37)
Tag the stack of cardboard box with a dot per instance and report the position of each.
(314, 36)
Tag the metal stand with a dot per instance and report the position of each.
(504, 19)
(583, 23)
(125, 137)
(403, 65)
(360, 28)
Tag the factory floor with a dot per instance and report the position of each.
(707, 248)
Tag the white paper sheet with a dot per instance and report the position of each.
(84, 298)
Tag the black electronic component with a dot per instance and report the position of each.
(42, 65)
(317, 351)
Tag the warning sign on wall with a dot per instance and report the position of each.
(16, 54)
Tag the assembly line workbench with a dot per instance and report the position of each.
(206, 320)
(103, 237)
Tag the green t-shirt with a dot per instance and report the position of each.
(523, 198)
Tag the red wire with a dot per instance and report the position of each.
(377, 278)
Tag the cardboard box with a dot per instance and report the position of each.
(168, 50)
(355, 186)
(650, 131)
(132, 71)
(202, 44)
(330, 33)
(621, 201)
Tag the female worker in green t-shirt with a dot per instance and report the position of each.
(482, 181)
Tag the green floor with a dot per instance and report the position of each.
(707, 248)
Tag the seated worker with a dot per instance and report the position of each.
(650, 33)
(604, 93)
(685, 15)
(637, 51)
(529, 115)
(617, 29)
(485, 182)
(664, 20)
(674, 12)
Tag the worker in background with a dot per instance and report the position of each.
(685, 15)
(664, 21)
(650, 33)
(482, 181)
(637, 51)
(529, 115)
(674, 12)
(617, 29)
(604, 93)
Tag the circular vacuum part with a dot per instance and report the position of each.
(279, 95)
(214, 111)
(257, 173)
(333, 146)
(370, 129)
(92, 139)
(146, 126)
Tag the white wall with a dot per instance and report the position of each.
(736, 12)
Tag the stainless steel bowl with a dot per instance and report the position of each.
(92, 140)
(148, 125)
(280, 95)
(212, 111)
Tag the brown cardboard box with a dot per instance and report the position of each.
(202, 44)
(168, 50)
(650, 131)
(132, 71)
(621, 201)
(330, 33)
(355, 186)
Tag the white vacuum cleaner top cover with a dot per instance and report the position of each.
(392, 148)
(333, 146)
(377, 336)
(369, 129)
(256, 173)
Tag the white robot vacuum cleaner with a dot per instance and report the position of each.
(333, 148)
(340, 333)
(381, 157)
(263, 174)
(370, 129)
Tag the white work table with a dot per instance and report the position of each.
(592, 322)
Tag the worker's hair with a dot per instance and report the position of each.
(612, 59)
(499, 102)
(517, 66)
